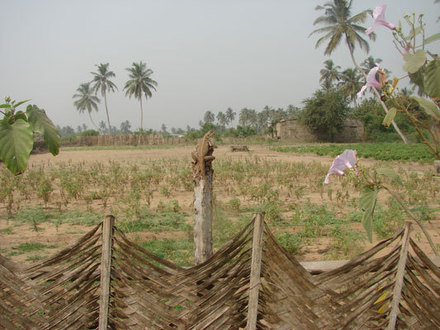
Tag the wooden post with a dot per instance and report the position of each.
(106, 262)
(203, 219)
(255, 279)
(399, 279)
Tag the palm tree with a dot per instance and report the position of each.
(230, 115)
(329, 74)
(140, 84)
(221, 119)
(208, 117)
(86, 101)
(339, 24)
(351, 84)
(101, 81)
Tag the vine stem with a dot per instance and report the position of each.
(428, 237)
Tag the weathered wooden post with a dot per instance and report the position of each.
(255, 277)
(203, 174)
(106, 262)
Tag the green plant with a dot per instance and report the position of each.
(292, 242)
(16, 134)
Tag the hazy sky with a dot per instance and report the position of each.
(205, 54)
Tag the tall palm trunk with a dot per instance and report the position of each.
(142, 114)
(106, 111)
(91, 120)
(385, 108)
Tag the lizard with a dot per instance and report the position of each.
(203, 153)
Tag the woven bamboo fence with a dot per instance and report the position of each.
(106, 281)
(127, 140)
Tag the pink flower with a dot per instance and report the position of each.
(345, 160)
(371, 81)
(379, 19)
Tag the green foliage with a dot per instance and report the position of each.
(16, 134)
(423, 68)
(89, 132)
(325, 113)
(367, 204)
(292, 242)
(379, 151)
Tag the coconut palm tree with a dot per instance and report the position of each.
(86, 101)
(329, 74)
(351, 83)
(230, 115)
(140, 84)
(338, 25)
(101, 81)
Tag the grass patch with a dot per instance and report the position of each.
(29, 247)
(77, 217)
(178, 251)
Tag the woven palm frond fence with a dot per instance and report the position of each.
(105, 281)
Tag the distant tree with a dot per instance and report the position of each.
(79, 128)
(325, 113)
(163, 129)
(188, 128)
(292, 112)
(86, 101)
(247, 117)
(125, 127)
(221, 119)
(66, 131)
(263, 119)
(101, 81)
(102, 127)
(369, 63)
(208, 117)
(230, 115)
(351, 83)
(140, 84)
(329, 74)
(84, 127)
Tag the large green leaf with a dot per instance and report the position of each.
(42, 124)
(432, 38)
(428, 106)
(389, 117)
(367, 203)
(389, 173)
(413, 62)
(432, 78)
(16, 142)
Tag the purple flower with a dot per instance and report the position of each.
(371, 81)
(379, 19)
(345, 160)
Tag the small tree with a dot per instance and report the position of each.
(325, 113)
(17, 130)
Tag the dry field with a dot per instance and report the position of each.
(150, 192)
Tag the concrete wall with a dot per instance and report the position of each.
(292, 130)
